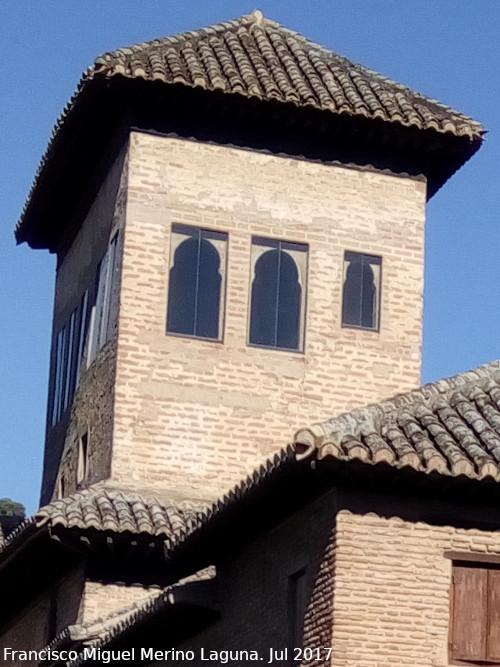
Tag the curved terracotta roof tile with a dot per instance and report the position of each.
(451, 426)
(102, 508)
(256, 56)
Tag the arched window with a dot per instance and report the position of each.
(196, 282)
(361, 294)
(278, 294)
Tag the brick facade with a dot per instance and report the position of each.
(28, 632)
(252, 586)
(378, 582)
(169, 417)
(187, 418)
(101, 600)
(46, 616)
(392, 587)
(73, 600)
(193, 416)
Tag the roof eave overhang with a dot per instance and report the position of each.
(79, 145)
(297, 481)
(38, 554)
(104, 110)
(29, 565)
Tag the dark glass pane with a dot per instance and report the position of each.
(358, 307)
(352, 293)
(263, 315)
(209, 288)
(368, 297)
(182, 291)
(289, 302)
(276, 301)
(195, 289)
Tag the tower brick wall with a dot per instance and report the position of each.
(91, 409)
(193, 416)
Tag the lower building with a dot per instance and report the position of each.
(373, 540)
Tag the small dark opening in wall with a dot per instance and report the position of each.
(296, 606)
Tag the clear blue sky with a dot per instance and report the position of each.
(446, 49)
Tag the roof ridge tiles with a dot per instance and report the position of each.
(177, 38)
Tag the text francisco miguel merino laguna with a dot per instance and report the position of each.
(106, 657)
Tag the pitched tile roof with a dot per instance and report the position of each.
(256, 57)
(451, 427)
(100, 635)
(99, 631)
(103, 508)
(251, 57)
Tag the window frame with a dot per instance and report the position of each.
(69, 371)
(270, 243)
(378, 304)
(106, 323)
(83, 327)
(82, 466)
(101, 323)
(84, 333)
(181, 229)
(59, 375)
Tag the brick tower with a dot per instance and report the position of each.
(238, 216)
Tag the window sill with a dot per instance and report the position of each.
(360, 328)
(291, 350)
(174, 334)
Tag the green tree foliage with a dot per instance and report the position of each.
(11, 515)
(10, 507)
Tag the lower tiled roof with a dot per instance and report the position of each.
(111, 630)
(100, 630)
(103, 508)
(451, 427)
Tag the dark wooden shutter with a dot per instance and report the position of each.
(494, 615)
(470, 622)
